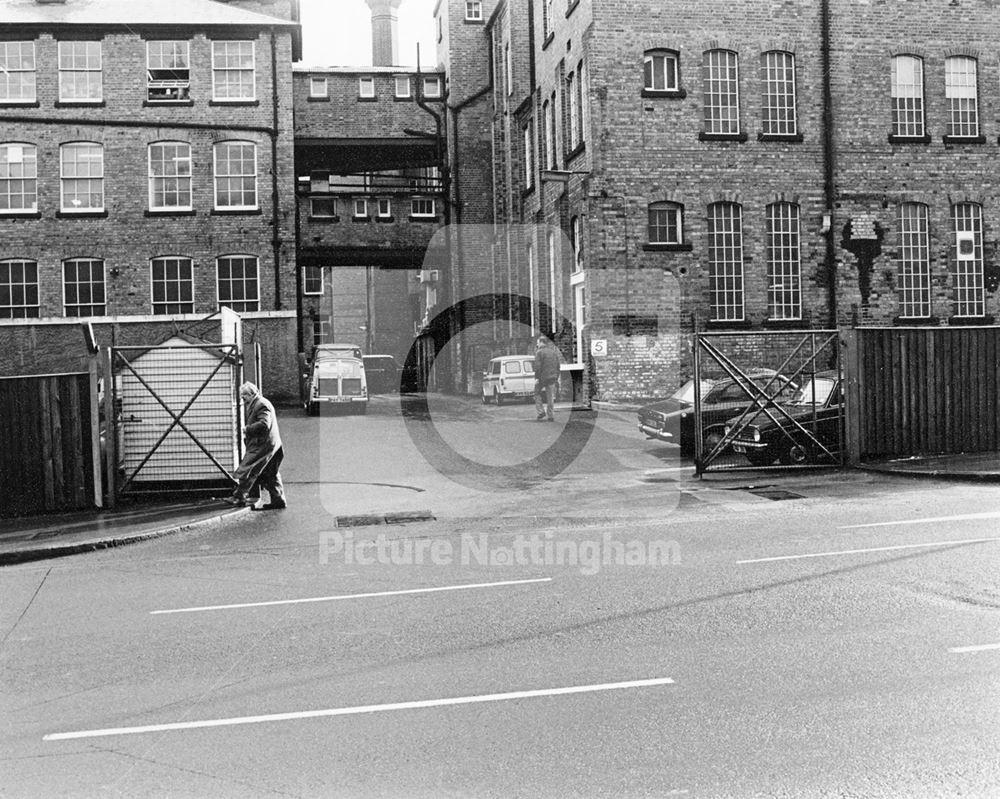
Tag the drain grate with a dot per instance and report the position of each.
(776, 494)
(401, 517)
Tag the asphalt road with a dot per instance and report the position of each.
(613, 628)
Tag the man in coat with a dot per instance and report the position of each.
(546, 378)
(263, 453)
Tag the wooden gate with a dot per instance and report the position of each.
(49, 444)
(920, 391)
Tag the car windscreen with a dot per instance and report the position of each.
(816, 391)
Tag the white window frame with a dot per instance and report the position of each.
(722, 92)
(383, 203)
(181, 87)
(508, 69)
(725, 254)
(318, 88)
(968, 275)
(306, 280)
(661, 58)
(529, 155)
(550, 241)
(79, 63)
(18, 67)
(181, 181)
(100, 285)
(907, 94)
(416, 209)
(252, 303)
(532, 282)
(366, 87)
(18, 178)
(548, 135)
(162, 307)
(474, 10)
(219, 178)
(961, 89)
(432, 86)
(784, 262)
(914, 261)
(654, 226)
(404, 87)
(573, 111)
(779, 115)
(29, 289)
(94, 175)
(360, 208)
(223, 74)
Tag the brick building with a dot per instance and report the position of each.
(146, 174)
(749, 166)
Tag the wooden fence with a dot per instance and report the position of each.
(914, 391)
(49, 443)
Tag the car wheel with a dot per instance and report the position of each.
(497, 398)
(711, 439)
(795, 455)
(760, 457)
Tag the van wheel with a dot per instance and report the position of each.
(312, 409)
(497, 398)
(486, 399)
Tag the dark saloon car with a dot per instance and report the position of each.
(672, 419)
(818, 407)
(382, 372)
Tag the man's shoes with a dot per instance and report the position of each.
(236, 502)
(540, 417)
(551, 419)
(278, 505)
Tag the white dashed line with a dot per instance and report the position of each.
(871, 549)
(980, 648)
(354, 711)
(339, 597)
(963, 517)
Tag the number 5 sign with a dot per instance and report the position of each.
(599, 347)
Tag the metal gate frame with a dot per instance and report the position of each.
(118, 357)
(763, 399)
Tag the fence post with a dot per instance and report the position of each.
(110, 430)
(852, 396)
(95, 430)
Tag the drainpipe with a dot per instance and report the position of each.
(829, 188)
(275, 215)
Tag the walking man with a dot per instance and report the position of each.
(547, 361)
(263, 454)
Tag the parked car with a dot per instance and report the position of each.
(509, 377)
(382, 373)
(672, 419)
(817, 406)
(337, 380)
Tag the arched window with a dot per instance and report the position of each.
(914, 261)
(18, 289)
(661, 71)
(969, 297)
(722, 92)
(81, 166)
(777, 79)
(170, 176)
(961, 88)
(784, 288)
(235, 175)
(665, 223)
(172, 284)
(725, 261)
(907, 96)
(84, 292)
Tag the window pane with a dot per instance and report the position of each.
(914, 262)
(784, 299)
(725, 232)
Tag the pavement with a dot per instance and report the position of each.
(41, 537)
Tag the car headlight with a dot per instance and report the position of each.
(728, 429)
(756, 434)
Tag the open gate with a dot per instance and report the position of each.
(177, 416)
(775, 398)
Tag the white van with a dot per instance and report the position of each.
(509, 377)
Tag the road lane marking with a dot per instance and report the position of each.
(871, 549)
(961, 518)
(336, 598)
(354, 711)
(979, 648)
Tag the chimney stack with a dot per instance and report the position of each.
(385, 38)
